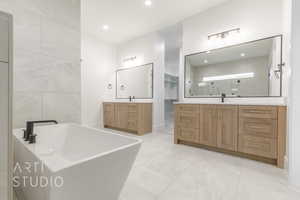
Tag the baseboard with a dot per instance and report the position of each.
(92, 125)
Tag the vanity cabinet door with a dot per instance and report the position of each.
(227, 127)
(208, 125)
(109, 114)
(187, 134)
(259, 146)
(121, 115)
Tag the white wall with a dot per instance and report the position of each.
(287, 24)
(294, 101)
(256, 18)
(147, 49)
(98, 71)
(172, 61)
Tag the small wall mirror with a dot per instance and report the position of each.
(252, 69)
(136, 82)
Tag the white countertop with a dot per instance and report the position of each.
(275, 101)
(127, 101)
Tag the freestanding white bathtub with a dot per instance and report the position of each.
(79, 163)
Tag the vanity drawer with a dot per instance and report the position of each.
(108, 107)
(132, 108)
(187, 119)
(258, 127)
(261, 112)
(258, 146)
(187, 134)
(189, 108)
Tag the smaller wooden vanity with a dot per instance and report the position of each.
(130, 117)
(255, 132)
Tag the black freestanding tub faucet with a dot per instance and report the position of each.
(28, 133)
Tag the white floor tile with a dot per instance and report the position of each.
(165, 171)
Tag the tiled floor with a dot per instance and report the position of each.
(165, 171)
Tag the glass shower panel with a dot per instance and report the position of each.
(5, 106)
(3, 130)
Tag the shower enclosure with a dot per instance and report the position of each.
(5, 106)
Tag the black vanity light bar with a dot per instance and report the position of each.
(224, 34)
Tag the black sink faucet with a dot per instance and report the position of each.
(28, 133)
(223, 97)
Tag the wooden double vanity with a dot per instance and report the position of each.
(252, 131)
(130, 117)
(255, 132)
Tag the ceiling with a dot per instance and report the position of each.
(128, 19)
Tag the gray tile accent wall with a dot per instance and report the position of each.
(47, 72)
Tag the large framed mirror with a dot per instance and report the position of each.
(252, 69)
(136, 82)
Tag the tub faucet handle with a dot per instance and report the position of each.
(25, 135)
(32, 139)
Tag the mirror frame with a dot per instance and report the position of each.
(129, 68)
(240, 44)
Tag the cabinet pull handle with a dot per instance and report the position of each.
(257, 111)
(223, 129)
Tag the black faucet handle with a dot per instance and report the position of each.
(32, 139)
(223, 97)
(24, 133)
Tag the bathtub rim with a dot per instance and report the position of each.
(17, 134)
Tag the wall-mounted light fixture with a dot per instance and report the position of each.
(129, 59)
(224, 34)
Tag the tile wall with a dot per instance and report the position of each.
(47, 72)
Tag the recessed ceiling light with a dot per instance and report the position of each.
(105, 27)
(243, 54)
(148, 3)
(205, 61)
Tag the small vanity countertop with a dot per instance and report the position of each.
(127, 101)
(276, 101)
